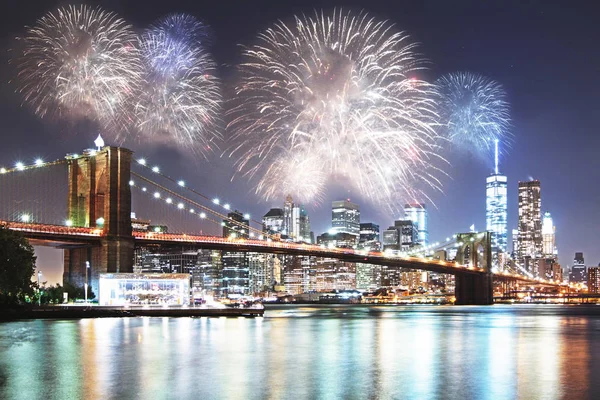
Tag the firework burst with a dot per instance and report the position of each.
(80, 63)
(180, 100)
(334, 94)
(474, 112)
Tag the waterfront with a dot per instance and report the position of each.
(413, 352)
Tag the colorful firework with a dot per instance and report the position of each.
(180, 100)
(474, 112)
(340, 92)
(80, 63)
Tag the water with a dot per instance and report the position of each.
(311, 352)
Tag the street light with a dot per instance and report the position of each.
(39, 291)
(85, 285)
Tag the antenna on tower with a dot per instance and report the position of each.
(496, 157)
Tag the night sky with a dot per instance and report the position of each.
(546, 55)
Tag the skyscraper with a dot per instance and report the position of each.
(578, 273)
(496, 205)
(530, 244)
(345, 217)
(418, 213)
(369, 236)
(235, 272)
(548, 236)
(296, 223)
(594, 279)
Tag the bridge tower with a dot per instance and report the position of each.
(475, 249)
(100, 196)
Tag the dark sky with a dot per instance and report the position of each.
(545, 53)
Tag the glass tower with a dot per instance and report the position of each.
(417, 213)
(496, 205)
(345, 217)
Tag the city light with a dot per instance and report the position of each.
(100, 221)
(69, 222)
(39, 162)
(131, 183)
(247, 216)
(25, 218)
(180, 206)
(144, 189)
(155, 169)
(169, 201)
(142, 161)
(226, 206)
(2, 170)
(156, 195)
(19, 166)
(181, 183)
(202, 215)
(216, 201)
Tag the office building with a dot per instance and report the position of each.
(578, 273)
(594, 279)
(235, 276)
(548, 236)
(496, 206)
(273, 222)
(345, 217)
(409, 234)
(530, 244)
(296, 223)
(417, 213)
(369, 237)
(339, 239)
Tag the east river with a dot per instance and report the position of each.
(311, 352)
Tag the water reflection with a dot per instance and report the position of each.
(549, 352)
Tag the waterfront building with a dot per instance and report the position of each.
(368, 277)
(578, 273)
(594, 279)
(496, 209)
(345, 217)
(417, 213)
(530, 244)
(299, 274)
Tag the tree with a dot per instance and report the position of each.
(17, 266)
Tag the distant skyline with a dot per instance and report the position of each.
(543, 53)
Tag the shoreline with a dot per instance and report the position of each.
(80, 312)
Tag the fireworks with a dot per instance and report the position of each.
(180, 100)
(80, 62)
(474, 111)
(335, 95)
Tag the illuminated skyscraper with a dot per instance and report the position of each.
(345, 217)
(496, 205)
(530, 245)
(548, 236)
(296, 223)
(417, 213)
(594, 279)
(578, 273)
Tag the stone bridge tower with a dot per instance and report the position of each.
(100, 196)
(475, 250)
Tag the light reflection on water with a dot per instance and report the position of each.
(528, 352)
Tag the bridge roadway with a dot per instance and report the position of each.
(64, 237)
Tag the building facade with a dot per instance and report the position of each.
(530, 244)
(417, 213)
(594, 279)
(369, 237)
(345, 217)
(578, 273)
(496, 212)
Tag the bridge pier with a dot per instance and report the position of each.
(474, 290)
(475, 250)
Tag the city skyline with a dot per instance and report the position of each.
(540, 119)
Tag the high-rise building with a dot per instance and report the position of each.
(369, 237)
(594, 279)
(418, 213)
(496, 206)
(578, 273)
(391, 239)
(235, 277)
(296, 223)
(530, 245)
(515, 242)
(273, 221)
(548, 236)
(409, 234)
(345, 217)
